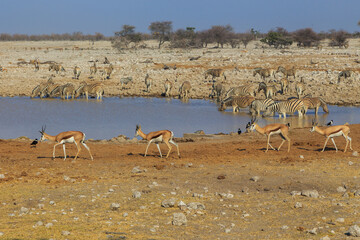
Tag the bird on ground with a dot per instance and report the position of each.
(239, 131)
(330, 123)
(33, 144)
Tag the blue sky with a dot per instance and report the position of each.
(107, 16)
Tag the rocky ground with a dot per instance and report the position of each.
(319, 68)
(222, 187)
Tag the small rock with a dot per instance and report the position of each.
(255, 178)
(313, 231)
(125, 214)
(182, 205)
(49, 225)
(354, 231)
(24, 210)
(227, 230)
(65, 233)
(179, 219)
(285, 227)
(41, 206)
(52, 203)
(114, 206)
(2, 176)
(357, 193)
(168, 203)
(38, 224)
(196, 206)
(245, 190)
(325, 238)
(310, 193)
(136, 194)
(355, 153)
(341, 189)
(295, 193)
(1, 234)
(298, 205)
(350, 163)
(137, 170)
(301, 157)
(188, 165)
(341, 220)
(111, 190)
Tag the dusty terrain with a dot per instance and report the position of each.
(43, 198)
(319, 68)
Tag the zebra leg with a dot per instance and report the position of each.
(332, 139)
(327, 139)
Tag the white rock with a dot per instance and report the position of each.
(354, 231)
(179, 219)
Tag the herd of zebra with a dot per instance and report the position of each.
(244, 96)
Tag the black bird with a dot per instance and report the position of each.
(33, 144)
(330, 123)
(239, 131)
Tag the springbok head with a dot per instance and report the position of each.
(251, 124)
(42, 138)
(138, 128)
(314, 124)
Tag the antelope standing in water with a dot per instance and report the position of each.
(333, 131)
(271, 129)
(86, 89)
(300, 87)
(157, 137)
(184, 90)
(148, 82)
(168, 86)
(77, 72)
(75, 137)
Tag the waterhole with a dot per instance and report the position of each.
(22, 116)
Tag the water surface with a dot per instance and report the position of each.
(22, 116)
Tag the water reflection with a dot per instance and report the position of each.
(22, 116)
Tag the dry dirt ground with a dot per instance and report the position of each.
(72, 199)
(319, 68)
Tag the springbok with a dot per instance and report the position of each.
(157, 137)
(271, 129)
(168, 86)
(333, 131)
(184, 90)
(76, 137)
(77, 72)
(148, 82)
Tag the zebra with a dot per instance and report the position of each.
(148, 82)
(257, 106)
(269, 91)
(184, 90)
(39, 89)
(67, 91)
(125, 80)
(48, 89)
(241, 91)
(86, 89)
(285, 107)
(287, 72)
(215, 73)
(314, 103)
(264, 72)
(57, 68)
(168, 86)
(236, 102)
(217, 91)
(77, 72)
(284, 83)
(300, 87)
(344, 74)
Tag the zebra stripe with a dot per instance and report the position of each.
(260, 105)
(284, 107)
